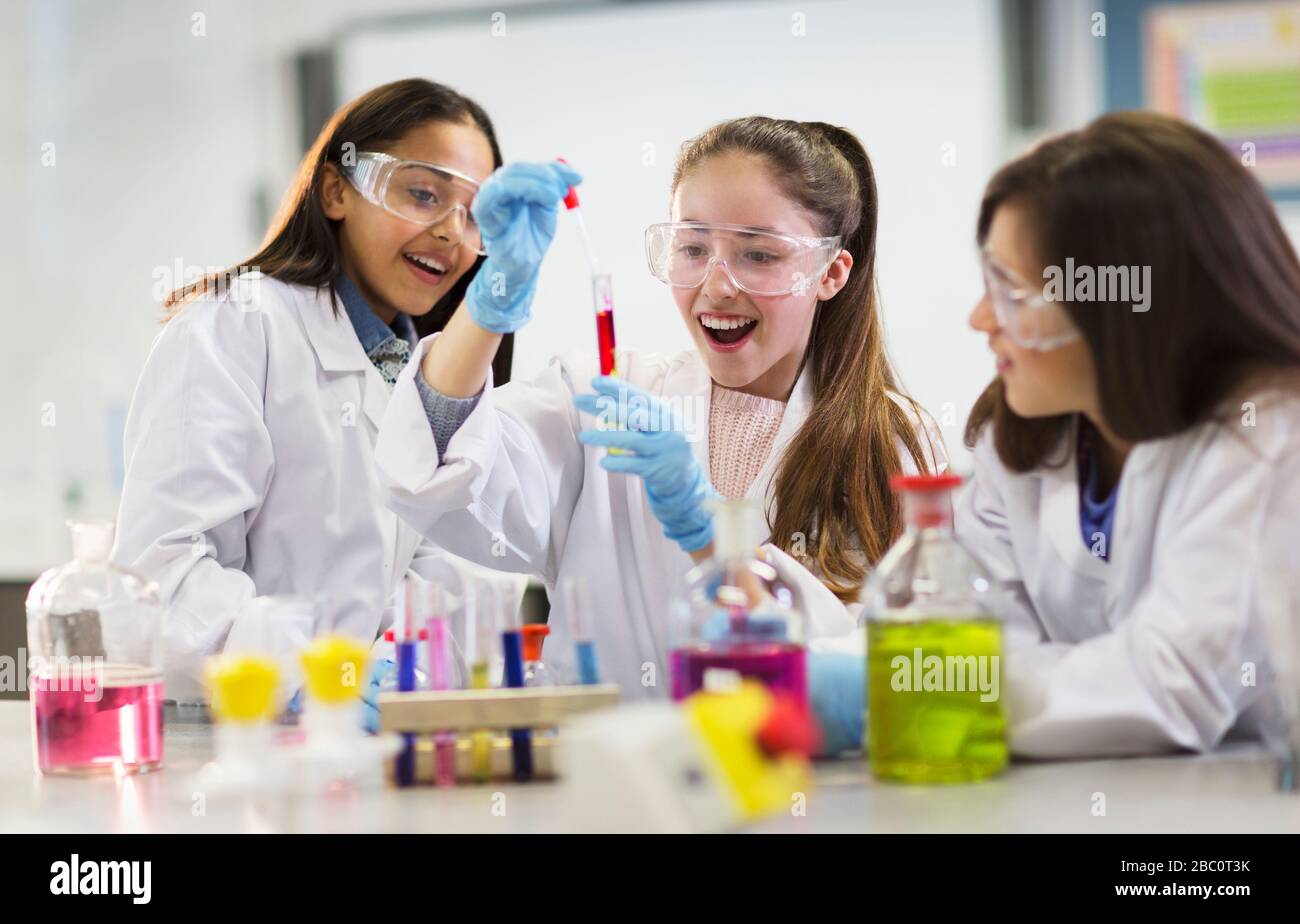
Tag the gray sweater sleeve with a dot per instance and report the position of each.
(445, 414)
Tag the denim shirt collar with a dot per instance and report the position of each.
(369, 327)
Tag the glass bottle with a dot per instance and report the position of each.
(934, 650)
(95, 640)
(735, 618)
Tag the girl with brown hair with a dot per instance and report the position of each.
(250, 439)
(1137, 458)
(787, 398)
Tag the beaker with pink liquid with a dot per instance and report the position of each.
(95, 654)
(736, 619)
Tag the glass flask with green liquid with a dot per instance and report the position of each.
(934, 650)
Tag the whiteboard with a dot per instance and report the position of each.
(616, 89)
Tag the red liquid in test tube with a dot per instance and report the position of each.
(602, 290)
(603, 293)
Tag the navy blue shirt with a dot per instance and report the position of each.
(1096, 510)
(370, 328)
(380, 341)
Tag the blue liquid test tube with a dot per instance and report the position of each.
(588, 675)
(405, 643)
(521, 739)
(577, 607)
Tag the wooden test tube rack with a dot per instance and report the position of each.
(496, 710)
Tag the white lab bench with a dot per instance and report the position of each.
(1230, 791)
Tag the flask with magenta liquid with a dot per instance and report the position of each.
(934, 650)
(94, 636)
(736, 618)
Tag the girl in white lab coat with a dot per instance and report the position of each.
(787, 398)
(249, 443)
(1137, 457)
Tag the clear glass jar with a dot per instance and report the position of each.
(95, 644)
(735, 618)
(934, 650)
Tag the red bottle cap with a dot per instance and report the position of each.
(928, 504)
(571, 199)
(789, 729)
(534, 633)
(391, 636)
(902, 483)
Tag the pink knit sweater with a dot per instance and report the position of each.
(741, 430)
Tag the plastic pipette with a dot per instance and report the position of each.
(574, 207)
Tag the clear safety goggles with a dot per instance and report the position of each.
(421, 193)
(1025, 316)
(683, 253)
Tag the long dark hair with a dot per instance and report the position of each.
(1147, 190)
(301, 245)
(832, 486)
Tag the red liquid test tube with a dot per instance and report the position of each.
(603, 294)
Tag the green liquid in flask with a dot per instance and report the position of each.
(934, 700)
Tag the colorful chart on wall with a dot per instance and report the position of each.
(1234, 69)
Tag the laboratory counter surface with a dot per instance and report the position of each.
(1232, 790)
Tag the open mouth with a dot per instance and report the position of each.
(427, 267)
(727, 331)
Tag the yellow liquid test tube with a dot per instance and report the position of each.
(480, 741)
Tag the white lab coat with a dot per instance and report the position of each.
(1162, 647)
(517, 491)
(250, 471)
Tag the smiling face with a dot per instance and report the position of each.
(1037, 383)
(397, 265)
(751, 343)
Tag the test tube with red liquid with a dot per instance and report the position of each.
(602, 292)
(602, 288)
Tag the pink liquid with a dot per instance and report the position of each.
(781, 666)
(444, 759)
(98, 721)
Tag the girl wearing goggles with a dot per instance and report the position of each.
(1137, 465)
(425, 194)
(251, 435)
(769, 257)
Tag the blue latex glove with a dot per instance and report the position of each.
(837, 687)
(382, 669)
(659, 453)
(516, 212)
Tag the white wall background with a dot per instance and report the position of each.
(616, 91)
